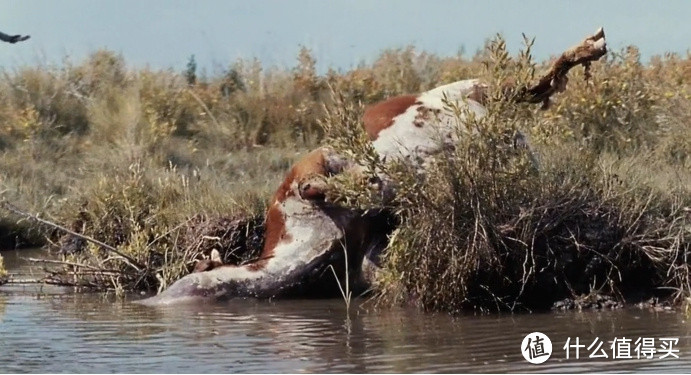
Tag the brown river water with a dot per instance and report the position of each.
(51, 329)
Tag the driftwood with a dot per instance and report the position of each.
(554, 81)
(589, 50)
(47, 281)
(13, 38)
(14, 209)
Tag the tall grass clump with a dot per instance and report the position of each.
(66, 125)
(152, 166)
(593, 208)
(159, 224)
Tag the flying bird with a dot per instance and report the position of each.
(13, 38)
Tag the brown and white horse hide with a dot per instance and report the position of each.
(306, 235)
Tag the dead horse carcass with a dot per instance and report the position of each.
(305, 235)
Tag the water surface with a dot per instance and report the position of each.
(52, 329)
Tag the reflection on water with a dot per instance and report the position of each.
(46, 329)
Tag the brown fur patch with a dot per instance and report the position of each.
(258, 265)
(312, 191)
(311, 164)
(208, 264)
(380, 116)
(203, 265)
(275, 230)
(479, 94)
(424, 114)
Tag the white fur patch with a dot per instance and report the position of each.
(438, 126)
(311, 234)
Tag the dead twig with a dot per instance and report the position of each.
(204, 106)
(65, 263)
(14, 209)
(25, 281)
(589, 50)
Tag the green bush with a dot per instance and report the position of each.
(484, 229)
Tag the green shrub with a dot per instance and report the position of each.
(484, 229)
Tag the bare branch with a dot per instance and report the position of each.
(77, 265)
(25, 281)
(12, 208)
(589, 50)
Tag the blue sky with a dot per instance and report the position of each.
(341, 33)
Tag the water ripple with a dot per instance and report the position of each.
(53, 330)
